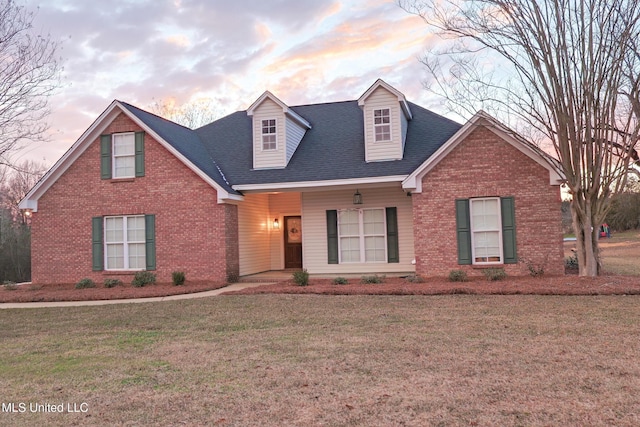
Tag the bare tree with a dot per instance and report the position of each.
(15, 183)
(193, 114)
(15, 233)
(567, 69)
(29, 71)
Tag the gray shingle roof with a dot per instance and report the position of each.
(186, 141)
(332, 149)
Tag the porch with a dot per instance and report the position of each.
(281, 231)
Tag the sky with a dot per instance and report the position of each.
(149, 51)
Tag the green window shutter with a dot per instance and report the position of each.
(150, 241)
(463, 231)
(97, 247)
(393, 254)
(139, 154)
(105, 156)
(507, 206)
(332, 236)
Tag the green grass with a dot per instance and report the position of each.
(328, 360)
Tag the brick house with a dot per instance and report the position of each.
(373, 185)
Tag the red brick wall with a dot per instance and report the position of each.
(191, 226)
(484, 165)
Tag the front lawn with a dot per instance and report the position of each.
(281, 360)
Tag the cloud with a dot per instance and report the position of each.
(305, 51)
(360, 37)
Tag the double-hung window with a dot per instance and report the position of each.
(269, 134)
(124, 240)
(486, 230)
(362, 235)
(382, 125)
(124, 155)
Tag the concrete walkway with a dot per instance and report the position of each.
(233, 287)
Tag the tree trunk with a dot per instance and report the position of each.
(586, 239)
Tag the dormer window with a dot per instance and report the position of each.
(277, 130)
(382, 125)
(124, 155)
(269, 134)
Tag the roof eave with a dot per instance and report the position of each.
(30, 201)
(285, 108)
(414, 181)
(401, 98)
(320, 185)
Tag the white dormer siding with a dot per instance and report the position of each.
(386, 114)
(289, 131)
(268, 158)
(295, 133)
(405, 125)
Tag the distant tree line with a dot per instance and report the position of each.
(624, 213)
(625, 208)
(15, 231)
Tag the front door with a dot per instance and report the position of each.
(292, 242)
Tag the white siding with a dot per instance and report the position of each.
(269, 158)
(405, 126)
(253, 234)
(281, 205)
(377, 151)
(295, 133)
(314, 229)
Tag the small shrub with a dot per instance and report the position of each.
(414, 278)
(571, 262)
(494, 274)
(112, 283)
(301, 277)
(9, 285)
(178, 278)
(340, 281)
(85, 283)
(143, 278)
(535, 270)
(372, 279)
(458, 276)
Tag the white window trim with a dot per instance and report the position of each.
(375, 126)
(125, 243)
(262, 134)
(473, 232)
(113, 155)
(361, 236)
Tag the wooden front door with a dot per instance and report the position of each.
(292, 242)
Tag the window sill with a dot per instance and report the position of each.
(117, 180)
(119, 272)
(485, 266)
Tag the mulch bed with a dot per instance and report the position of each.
(545, 285)
(68, 292)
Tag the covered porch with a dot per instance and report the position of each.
(280, 230)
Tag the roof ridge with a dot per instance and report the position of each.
(324, 103)
(153, 114)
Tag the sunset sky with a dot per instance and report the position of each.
(146, 51)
